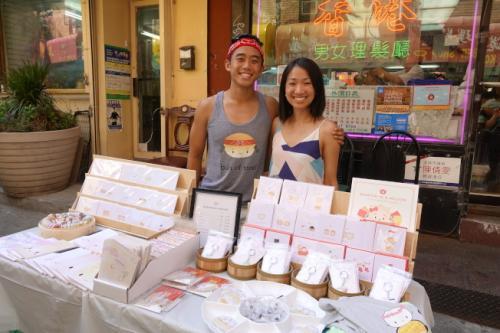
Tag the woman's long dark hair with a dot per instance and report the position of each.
(318, 103)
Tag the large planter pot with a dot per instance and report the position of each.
(33, 163)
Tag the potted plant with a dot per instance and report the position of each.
(38, 142)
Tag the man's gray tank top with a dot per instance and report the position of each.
(236, 153)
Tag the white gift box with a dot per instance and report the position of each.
(252, 231)
(392, 261)
(331, 228)
(365, 261)
(284, 218)
(269, 189)
(359, 235)
(389, 239)
(344, 276)
(293, 193)
(260, 213)
(319, 198)
(277, 237)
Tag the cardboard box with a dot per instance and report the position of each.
(152, 275)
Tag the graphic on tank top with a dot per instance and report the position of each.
(239, 145)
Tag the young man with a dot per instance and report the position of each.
(235, 124)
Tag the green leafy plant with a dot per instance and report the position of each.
(29, 107)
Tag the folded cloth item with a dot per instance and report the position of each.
(365, 314)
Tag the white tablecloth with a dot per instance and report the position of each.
(33, 302)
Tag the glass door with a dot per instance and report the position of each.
(485, 178)
(146, 37)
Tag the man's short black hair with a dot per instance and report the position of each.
(255, 38)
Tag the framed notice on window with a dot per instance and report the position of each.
(215, 210)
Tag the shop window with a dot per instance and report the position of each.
(387, 64)
(48, 31)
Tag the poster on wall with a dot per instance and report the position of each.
(117, 72)
(387, 122)
(114, 114)
(392, 107)
(352, 109)
(431, 97)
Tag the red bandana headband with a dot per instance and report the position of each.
(244, 42)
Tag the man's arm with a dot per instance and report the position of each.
(198, 136)
(272, 109)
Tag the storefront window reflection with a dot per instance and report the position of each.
(47, 31)
(425, 50)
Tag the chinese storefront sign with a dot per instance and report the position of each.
(114, 114)
(361, 50)
(394, 15)
(392, 109)
(434, 170)
(433, 97)
(117, 69)
(351, 108)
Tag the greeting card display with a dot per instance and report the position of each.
(383, 260)
(301, 247)
(277, 237)
(134, 197)
(284, 218)
(252, 231)
(260, 213)
(389, 239)
(269, 189)
(359, 235)
(386, 202)
(307, 223)
(331, 228)
(319, 198)
(364, 260)
(293, 193)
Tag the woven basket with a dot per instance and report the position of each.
(211, 265)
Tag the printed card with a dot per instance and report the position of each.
(386, 202)
(161, 299)
(284, 218)
(381, 260)
(87, 205)
(277, 237)
(260, 213)
(119, 265)
(365, 261)
(331, 228)
(334, 251)
(269, 189)
(359, 235)
(293, 193)
(301, 247)
(308, 223)
(389, 239)
(253, 231)
(185, 277)
(319, 198)
(207, 285)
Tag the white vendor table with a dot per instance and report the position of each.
(33, 302)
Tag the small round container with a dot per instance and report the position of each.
(67, 233)
(336, 294)
(211, 265)
(280, 278)
(241, 272)
(315, 290)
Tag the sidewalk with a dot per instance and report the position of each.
(441, 263)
